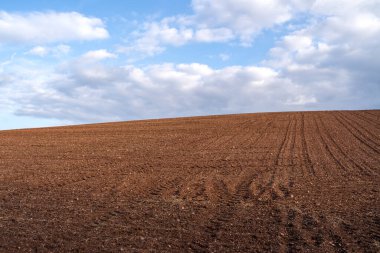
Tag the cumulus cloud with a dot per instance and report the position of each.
(213, 35)
(301, 100)
(38, 51)
(92, 91)
(43, 51)
(242, 20)
(153, 36)
(47, 27)
(245, 17)
(82, 92)
(331, 62)
(336, 57)
(97, 55)
(231, 20)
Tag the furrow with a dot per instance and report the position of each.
(305, 148)
(366, 126)
(282, 147)
(365, 170)
(357, 133)
(329, 149)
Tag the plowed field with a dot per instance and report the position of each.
(270, 182)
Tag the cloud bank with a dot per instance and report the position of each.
(48, 27)
(91, 91)
(330, 61)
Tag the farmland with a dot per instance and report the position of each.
(281, 182)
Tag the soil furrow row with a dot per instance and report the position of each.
(357, 133)
(364, 170)
(268, 182)
(305, 148)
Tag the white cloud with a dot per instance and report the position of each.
(230, 20)
(245, 17)
(47, 27)
(97, 55)
(336, 57)
(301, 100)
(343, 7)
(242, 20)
(56, 51)
(75, 90)
(153, 36)
(213, 35)
(331, 62)
(38, 51)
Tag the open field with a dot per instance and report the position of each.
(281, 182)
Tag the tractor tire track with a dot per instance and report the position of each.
(305, 148)
(368, 127)
(344, 171)
(276, 183)
(368, 147)
(228, 204)
(357, 133)
(364, 170)
(304, 232)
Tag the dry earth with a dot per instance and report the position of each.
(270, 182)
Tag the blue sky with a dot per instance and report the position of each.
(73, 62)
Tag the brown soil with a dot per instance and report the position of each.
(278, 182)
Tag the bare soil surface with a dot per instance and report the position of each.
(269, 182)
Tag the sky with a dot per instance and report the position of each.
(87, 61)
